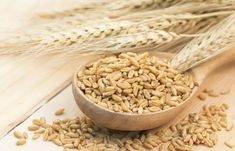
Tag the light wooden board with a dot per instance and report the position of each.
(220, 80)
(63, 100)
(26, 84)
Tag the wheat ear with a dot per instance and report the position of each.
(50, 41)
(120, 7)
(132, 42)
(218, 39)
(178, 23)
(54, 38)
(133, 5)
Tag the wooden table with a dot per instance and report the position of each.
(33, 88)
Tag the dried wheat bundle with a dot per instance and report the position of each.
(50, 40)
(68, 44)
(218, 39)
(132, 42)
(133, 5)
(80, 21)
(183, 23)
(191, 7)
(107, 7)
(178, 23)
(121, 7)
(37, 40)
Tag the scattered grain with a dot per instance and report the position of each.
(202, 97)
(35, 136)
(59, 112)
(228, 144)
(82, 133)
(18, 134)
(20, 142)
(229, 127)
(33, 128)
(213, 94)
(206, 90)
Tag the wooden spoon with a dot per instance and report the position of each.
(133, 122)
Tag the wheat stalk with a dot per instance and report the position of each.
(178, 23)
(120, 7)
(181, 23)
(159, 22)
(69, 45)
(50, 41)
(133, 5)
(215, 41)
(79, 21)
(132, 42)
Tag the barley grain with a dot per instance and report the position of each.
(33, 128)
(229, 127)
(35, 136)
(83, 134)
(59, 112)
(228, 144)
(213, 94)
(18, 134)
(202, 97)
(20, 142)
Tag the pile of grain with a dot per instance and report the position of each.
(134, 83)
(83, 134)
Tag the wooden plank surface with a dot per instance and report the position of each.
(26, 84)
(64, 99)
(220, 80)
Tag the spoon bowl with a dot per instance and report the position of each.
(126, 121)
(134, 122)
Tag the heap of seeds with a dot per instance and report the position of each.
(134, 83)
(83, 134)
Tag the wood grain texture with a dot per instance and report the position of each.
(220, 80)
(25, 84)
